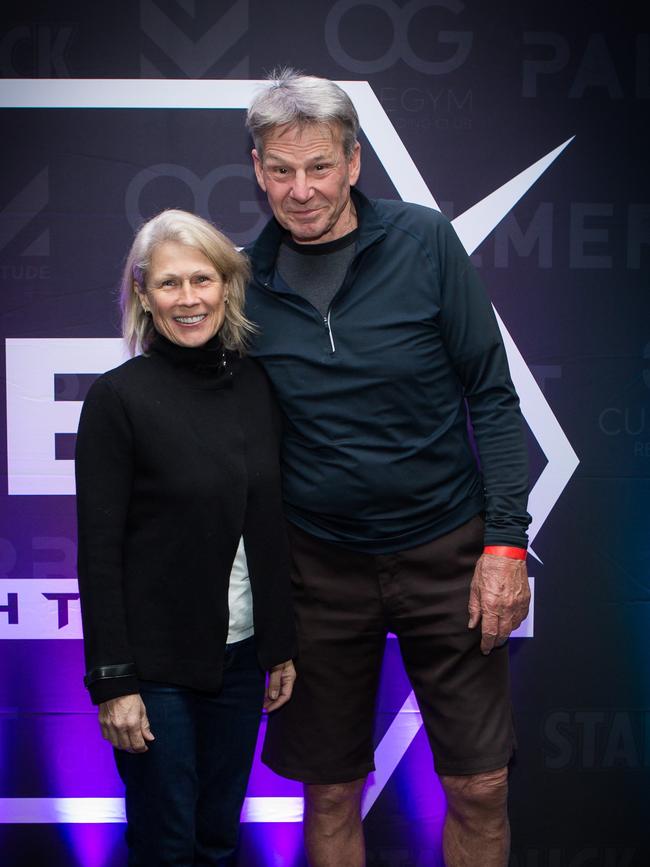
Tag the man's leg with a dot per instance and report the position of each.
(476, 828)
(333, 830)
(464, 696)
(323, 736)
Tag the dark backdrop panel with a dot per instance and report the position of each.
(477, 92)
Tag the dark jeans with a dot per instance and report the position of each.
(184, 796)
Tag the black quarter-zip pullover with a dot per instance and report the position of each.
(376, 451)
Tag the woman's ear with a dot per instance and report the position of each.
(142, 298)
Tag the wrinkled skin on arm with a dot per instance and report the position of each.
(499, 598)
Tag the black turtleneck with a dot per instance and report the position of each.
(177, 458)
(211, 358)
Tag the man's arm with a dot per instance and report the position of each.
(500, 594)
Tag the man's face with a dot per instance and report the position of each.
(307, 177)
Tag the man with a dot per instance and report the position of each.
(376, 334)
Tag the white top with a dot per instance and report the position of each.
(240, 599)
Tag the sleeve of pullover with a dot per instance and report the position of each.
(474, 344)
(104, 470)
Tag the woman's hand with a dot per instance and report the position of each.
(124, 723)
(280, 685)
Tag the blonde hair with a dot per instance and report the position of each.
(193, 231)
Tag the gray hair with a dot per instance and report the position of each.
(193, 231)
(294, 99)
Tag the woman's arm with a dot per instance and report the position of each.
(265, 536)
(104, 475)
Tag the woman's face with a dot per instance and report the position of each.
(185, 294)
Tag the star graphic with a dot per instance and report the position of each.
(473, 227)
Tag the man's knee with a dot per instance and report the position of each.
(477, 795)
(337, 801)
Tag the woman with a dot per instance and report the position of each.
(183, 565)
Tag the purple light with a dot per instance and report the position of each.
(90, 845)
(421, 796)
(273, 845)
(263, 782)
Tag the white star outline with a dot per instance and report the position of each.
(472, 227)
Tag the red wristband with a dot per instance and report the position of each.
(506, 551)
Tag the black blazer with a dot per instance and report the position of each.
(177, 458)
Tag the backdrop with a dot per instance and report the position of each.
(525, 123)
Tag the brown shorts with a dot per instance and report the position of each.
(345, 604)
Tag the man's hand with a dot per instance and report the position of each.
(124, 723)
(280, 685)
(499, 597)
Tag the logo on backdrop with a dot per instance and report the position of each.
(21, 232)
(38, 50)
(401, 19)
(201, 191)
(595, 738)
(625, 423)
(169, 45)
(576, 856)
(550, 54)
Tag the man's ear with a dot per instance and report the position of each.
(257, 165)
(354, 166)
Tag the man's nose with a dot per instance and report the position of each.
(301, 190)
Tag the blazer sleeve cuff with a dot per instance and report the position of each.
(111, 681)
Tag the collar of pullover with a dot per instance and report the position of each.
(211, 362)
(264, 250)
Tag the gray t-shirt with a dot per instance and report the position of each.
(316, 271)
